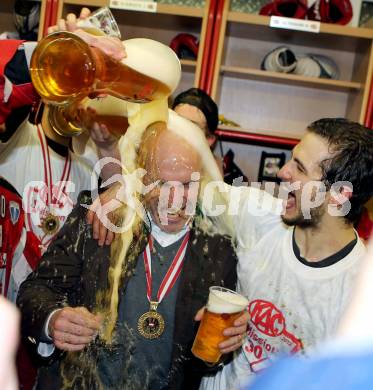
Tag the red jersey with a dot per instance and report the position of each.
(19, 249)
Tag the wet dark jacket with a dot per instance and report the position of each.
(75, 268)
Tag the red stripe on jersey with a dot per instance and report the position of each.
(11, 225)
(32, 250)
(8, 48)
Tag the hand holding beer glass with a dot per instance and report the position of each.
(224, 306)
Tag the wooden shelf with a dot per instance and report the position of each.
(288, 78)
(89, 3)
(161, 8)
(256, 137)
(325, 28)
(180, 10)
(188, 63)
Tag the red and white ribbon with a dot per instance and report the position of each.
(172, 274)
(48, 174)
(48, 195)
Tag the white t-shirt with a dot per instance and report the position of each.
(23, 164)
(293, 306)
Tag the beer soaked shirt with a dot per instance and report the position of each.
(133, 362)
(293, 304)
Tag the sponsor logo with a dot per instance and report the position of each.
(14, 211)
(267, 335)
(267, 318)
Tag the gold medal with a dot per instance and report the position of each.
(150, 325)
(50, 224)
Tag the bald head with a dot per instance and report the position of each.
(175, 158)
(165, 154)
(171, 161)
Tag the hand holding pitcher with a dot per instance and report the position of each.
(87, 28)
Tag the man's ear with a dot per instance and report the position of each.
(340, 193)
(211, 139)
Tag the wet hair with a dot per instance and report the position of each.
(200, 99)
(149, 139)
(351, 146)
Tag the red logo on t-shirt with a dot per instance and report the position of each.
(267, 318)
(267, 335)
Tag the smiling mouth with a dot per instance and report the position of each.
(291, 200)
(174, 213)
(173, 216)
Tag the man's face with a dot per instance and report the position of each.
(196, 116)
(173, 161)
(304, 168)
(193, 114)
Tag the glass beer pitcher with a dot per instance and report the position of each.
(65, 71)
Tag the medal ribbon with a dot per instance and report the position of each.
(172, 274)
(49, 179)
(48, 169)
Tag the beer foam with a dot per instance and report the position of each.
(154, 59)
(140, 116)
(226, 302)
(191, 133)
(197, 139)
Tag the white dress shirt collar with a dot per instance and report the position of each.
(166, 239)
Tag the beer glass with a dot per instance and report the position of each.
(100, 22)
(224, 306)
(65, 70)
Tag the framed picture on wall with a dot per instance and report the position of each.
(270, 164)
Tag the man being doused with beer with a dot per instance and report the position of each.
(298, 271)
(169, 266)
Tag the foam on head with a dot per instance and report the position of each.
(195, 137)
(153, 59)
(226, 302)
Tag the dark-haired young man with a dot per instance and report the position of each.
(298, 270)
